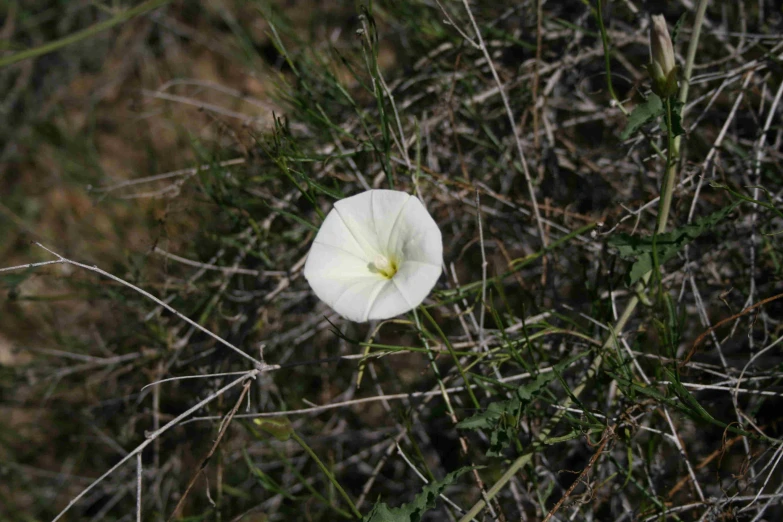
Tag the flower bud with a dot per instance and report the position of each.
(662, 67)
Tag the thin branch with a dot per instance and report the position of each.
(154, 435)
(202, 465)
(512, 122)
(258, 364)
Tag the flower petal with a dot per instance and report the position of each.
(388, 303)
(661, 46)
(357, 218)
(377, 224)
(416, 236)
(334, 233)
(330, 270)
(414, 281)
(357, 298)
(387, 208)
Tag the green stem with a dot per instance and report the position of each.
(84, 33)
(543, 438)
(462, 373)
(608, 68)
(670, 172)
(306, 484)
(673, 153)
(692, 48)
(434, 366)
(299, 440)
(630, 307)
(607, 58)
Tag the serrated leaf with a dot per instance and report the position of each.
(501, 417)
(677, 129)
(414, 511)
(678, 26)
(629, 385)
(494, 413)
(641, 267)
(496, 410)
(643, 113)
(640, 248)
(500, 439)
(527, 391)
(677, 118)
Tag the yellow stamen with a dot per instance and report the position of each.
(385, 266)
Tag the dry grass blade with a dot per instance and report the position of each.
(225, 423)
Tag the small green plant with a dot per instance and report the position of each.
(398, 261)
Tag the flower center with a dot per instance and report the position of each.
(384, 266)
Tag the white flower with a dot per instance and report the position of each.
(377, 255)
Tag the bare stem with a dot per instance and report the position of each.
(512, 122)
(670, 172)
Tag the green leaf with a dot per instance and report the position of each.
(643, 113)
(640, 248)
(489, 418)
(12, 280)
(677, 129)
(294, 217)
(236, 492)
(414, 511)
(279, 427)
(501, 417)
(497, 409)
(527, 391)
(687, 398)
(501, 438)
(629, 386)
(318, 187)
(743, 197)
(264, 480)
(678, 26)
